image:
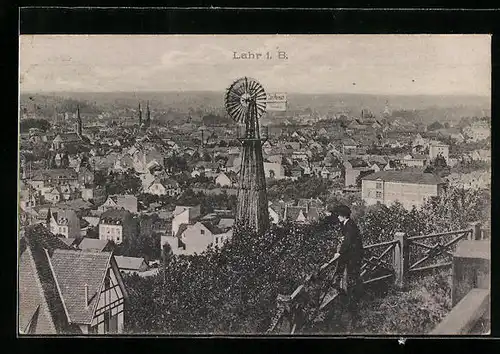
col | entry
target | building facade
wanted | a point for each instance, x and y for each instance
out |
(408, 188)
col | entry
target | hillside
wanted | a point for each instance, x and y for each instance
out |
(425, 108)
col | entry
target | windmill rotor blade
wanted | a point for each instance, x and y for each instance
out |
(239, 111)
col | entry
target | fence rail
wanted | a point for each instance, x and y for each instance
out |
(392, 263)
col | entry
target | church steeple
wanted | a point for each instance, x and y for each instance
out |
(148, 115)
(78, 122)
(47, 220)
(140, 114)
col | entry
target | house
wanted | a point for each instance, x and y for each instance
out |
(28, 196)
(198, 237)
(49, 177)
(300, 214)
(63, 222)
(274, 170)
(66, 140)
(477, 131)
(66, 291)
(123, 163)
(349, 146)
(296, 171)
(408, 188)
(85, 176)
(436, 149)
(276, 212)
(96, 193)
(131, 265)
(414, 160)
(452, 133)
(481, 155)
(353, 169)
(94, 245)
(223, 180)
(116, 201)
(183, 215)
(330, 173)
(116, 225)
(164, 186)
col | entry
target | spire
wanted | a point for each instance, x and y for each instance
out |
(140, 114)
(78, 122)
(148, 114)
(49, 217)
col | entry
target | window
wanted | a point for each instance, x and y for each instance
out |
(378, 195)
(202, 232)
(379, 185)
(107, 316)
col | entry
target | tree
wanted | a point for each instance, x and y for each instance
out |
(123, 183)
(233, 289)
(26, 124)
(438, 167)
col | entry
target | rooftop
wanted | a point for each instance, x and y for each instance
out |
(404, 177)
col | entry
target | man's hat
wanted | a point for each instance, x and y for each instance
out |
(342, 210)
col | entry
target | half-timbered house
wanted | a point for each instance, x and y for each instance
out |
(68, 291)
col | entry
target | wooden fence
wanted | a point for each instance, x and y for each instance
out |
(395, 261)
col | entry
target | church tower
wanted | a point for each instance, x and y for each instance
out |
(79, 128)
(140, 114)
(148, 115)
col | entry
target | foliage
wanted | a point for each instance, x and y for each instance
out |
(438, 167)
(120, 183)
(234, 289)
(175, 164)
(145, 243)
(416, 311)
(304, 187)
(468, 166)
(26, 124)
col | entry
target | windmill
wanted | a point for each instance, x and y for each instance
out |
(245, 102)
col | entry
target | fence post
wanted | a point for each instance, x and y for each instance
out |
(476, 230)
(401, 259)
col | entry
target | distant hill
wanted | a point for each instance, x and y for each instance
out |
(424, 108)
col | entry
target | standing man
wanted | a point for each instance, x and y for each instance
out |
(350, 255)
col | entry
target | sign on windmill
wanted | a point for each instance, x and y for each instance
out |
(276, 102)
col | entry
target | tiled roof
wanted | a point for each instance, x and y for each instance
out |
(74, 269)
(68, 241)
(55, 174)
(39, 244)
(114, 215)
(405, 177)
(129, 263)
(225, 223)
(212, 228)
(181, 229)
(93, 245)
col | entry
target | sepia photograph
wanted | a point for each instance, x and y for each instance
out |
(264, 185)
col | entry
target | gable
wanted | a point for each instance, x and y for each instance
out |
(31, 299)
(112, 295)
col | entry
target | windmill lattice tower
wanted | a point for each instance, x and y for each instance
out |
(245, 102)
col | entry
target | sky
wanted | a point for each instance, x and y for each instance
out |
(366, 64)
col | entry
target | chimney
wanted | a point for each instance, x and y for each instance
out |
(86, 295)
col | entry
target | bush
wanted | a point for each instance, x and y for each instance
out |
(234, 289)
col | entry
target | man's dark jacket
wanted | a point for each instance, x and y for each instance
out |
(351, 248)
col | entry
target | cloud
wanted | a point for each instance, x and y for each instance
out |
(316, 63)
